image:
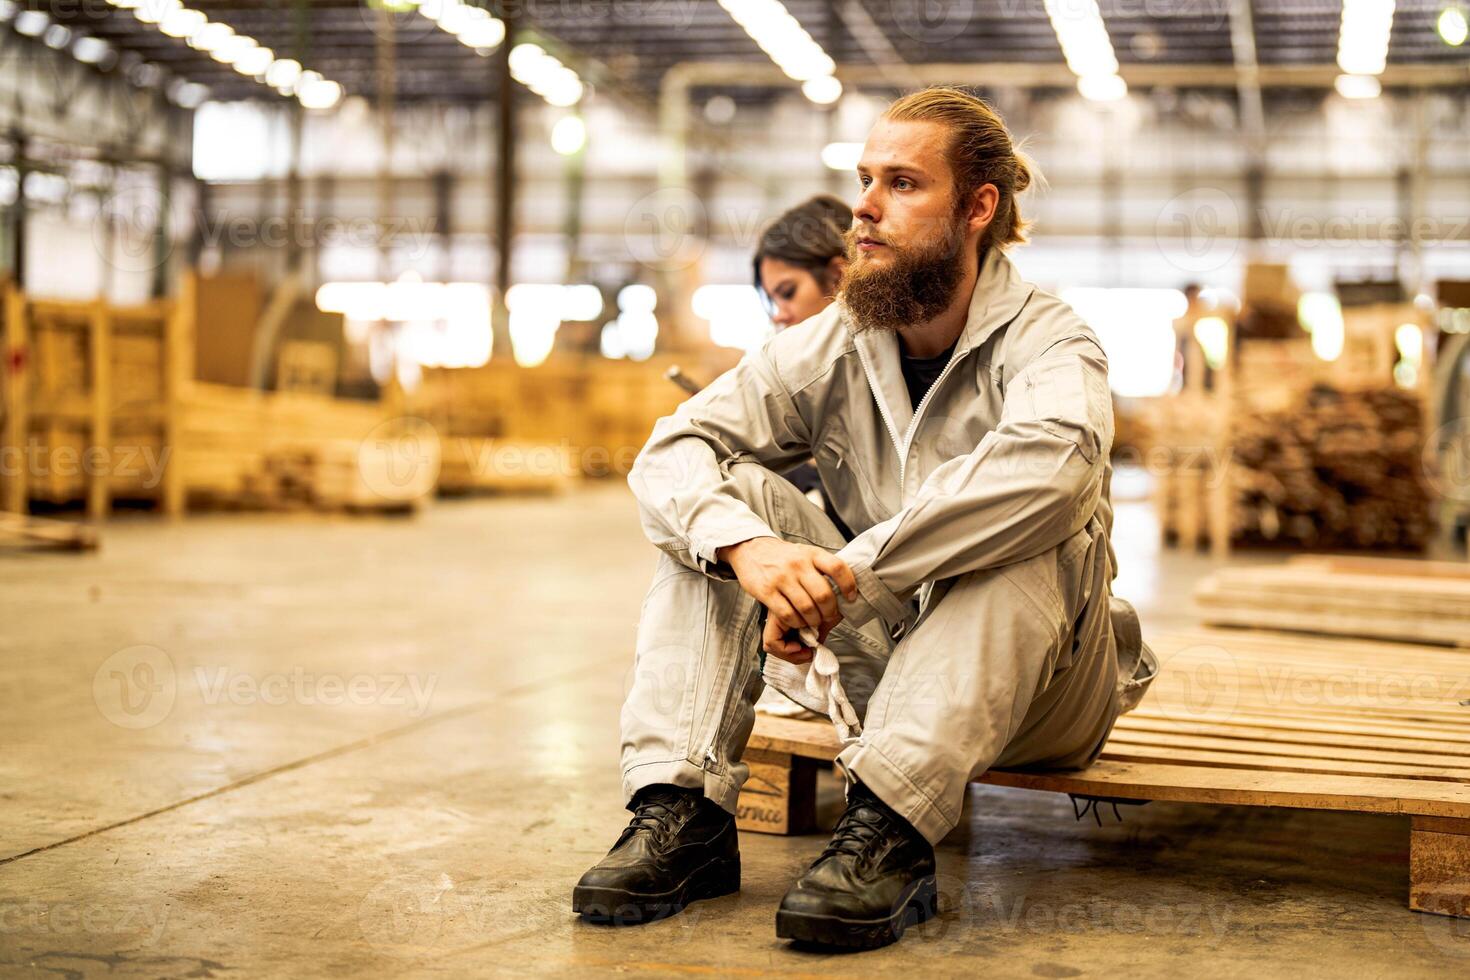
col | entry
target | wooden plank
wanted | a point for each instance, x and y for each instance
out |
(1408, 755)
(178, 360)
(99, 472)
(1284, 735)
(16, 355)
(780, 795)
(54, 534)
(1124, 749)
(1361, 564)
(1439, 870)
(806, 737)
(1245, 787)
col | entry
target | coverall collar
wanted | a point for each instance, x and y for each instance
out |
(999, 295)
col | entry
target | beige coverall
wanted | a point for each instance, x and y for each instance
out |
(981, 553)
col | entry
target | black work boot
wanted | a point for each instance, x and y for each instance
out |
(678, 848)
(875, 877)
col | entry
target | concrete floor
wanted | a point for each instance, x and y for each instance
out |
(248, 746)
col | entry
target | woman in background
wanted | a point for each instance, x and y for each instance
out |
(798, 264)
(800, 259)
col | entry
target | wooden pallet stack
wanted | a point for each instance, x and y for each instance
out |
(1337, 469)
(1425, 602)
(594, 412)
(99, 404)
(91, 400)
(1289, 449)
(287, 450)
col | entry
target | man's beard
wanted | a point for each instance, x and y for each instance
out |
(915, 287)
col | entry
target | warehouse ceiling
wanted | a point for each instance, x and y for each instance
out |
(628, 45)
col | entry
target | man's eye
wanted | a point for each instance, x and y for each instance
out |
(903, 183)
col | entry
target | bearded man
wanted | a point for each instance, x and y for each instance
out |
(961, 421)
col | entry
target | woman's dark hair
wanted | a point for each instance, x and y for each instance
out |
(808, 236)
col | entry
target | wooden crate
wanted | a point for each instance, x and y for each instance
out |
(90, 400)
(1256, 718)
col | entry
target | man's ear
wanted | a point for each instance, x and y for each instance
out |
(835, 268)
(983, 204)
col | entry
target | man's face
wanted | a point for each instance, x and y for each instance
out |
(909, 245)
(907, 199)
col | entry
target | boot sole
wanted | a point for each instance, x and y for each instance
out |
(620, 907)
(919, 905)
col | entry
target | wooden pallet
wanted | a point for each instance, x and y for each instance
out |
(37, 532)
(1391, 599)
(1245, 718)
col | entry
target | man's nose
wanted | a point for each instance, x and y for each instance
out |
(865, 210)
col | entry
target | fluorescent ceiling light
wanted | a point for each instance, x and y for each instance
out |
(1358, 86)
(239, 51)
(1362, 41)
(1089, 51)
(777, 33)
(823, 90)
(31, 23)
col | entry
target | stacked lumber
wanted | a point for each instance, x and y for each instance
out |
(1424, 602)
(284, 450)
(596, 411)
(477, 465)
(1336, 469)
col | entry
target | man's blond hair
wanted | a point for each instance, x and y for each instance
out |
(980, 152)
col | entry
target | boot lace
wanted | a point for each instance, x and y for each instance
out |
(653, 814)
(855, 832)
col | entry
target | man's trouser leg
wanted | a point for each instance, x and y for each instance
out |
(690, 709)
(1006, 667)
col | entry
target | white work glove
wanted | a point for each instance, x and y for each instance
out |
(815, 685)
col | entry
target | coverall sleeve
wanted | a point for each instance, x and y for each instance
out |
(687, 500)
(1031, 483)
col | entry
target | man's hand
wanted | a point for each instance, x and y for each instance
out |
(790, 580)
